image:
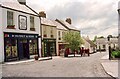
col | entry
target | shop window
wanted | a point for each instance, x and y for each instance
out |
(11, 48)
(33, 47)
(32, 25)
(10, 22)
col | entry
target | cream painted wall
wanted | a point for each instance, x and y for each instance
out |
(47, 29)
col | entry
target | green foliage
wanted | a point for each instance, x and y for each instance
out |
(116, 54)
(100, 37)
(95, 39)
(74, 39)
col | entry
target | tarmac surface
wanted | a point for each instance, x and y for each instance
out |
(59, 67)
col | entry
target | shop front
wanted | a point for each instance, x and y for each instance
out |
(49, 47)
(20, 46)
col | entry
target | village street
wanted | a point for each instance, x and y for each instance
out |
(59, 67)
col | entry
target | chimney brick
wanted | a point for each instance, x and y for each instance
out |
(69, 20)
(42, 14)
(22, 2)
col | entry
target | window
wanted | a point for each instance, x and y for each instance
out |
(59, 37)
(33, 47)
(51, 32)
(10, 23)
(44, 31)
(103, 46)
(22, 22)
(32, 28)
(11, 48)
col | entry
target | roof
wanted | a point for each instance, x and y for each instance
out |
(90, 42)
(14, 4)
(59, 26)
(101, 40)
(46, 21)
(67, 25)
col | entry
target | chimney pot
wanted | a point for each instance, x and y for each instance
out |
(22, 2)
(42, 14)
(69, 20)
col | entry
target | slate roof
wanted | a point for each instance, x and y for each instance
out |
(49, 22)
(46, 21)
(90, 42)
(67, 25)
(59, 26)
(101, 40)
(14, 4)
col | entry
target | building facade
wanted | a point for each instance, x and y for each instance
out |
(88, 44)
(103, 43)
(65, 26)
(20, 31)
(61, 30)
(49, 35)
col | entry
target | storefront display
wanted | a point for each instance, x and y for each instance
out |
(49, 47)
(20, 46)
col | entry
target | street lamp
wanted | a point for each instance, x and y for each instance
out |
(109, 47)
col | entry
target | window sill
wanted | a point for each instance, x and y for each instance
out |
(52, 36)
(11, 27)
(45, 35)
(32, 29)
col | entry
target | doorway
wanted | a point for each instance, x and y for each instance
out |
(23, 46)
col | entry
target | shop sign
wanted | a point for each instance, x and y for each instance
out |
(20, 36)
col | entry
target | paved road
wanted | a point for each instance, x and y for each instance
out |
(59, 67)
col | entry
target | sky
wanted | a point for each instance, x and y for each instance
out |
(91, 17)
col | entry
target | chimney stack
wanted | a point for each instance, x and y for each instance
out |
(22, 2)
(69, 20)
(42, 14)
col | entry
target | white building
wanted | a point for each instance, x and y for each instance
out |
(103, 43)
(19, 31)
(88, 44)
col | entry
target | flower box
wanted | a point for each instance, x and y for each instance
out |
(11, 26)
(32, 29)
(45, 35)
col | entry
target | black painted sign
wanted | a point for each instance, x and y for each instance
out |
(10, 35)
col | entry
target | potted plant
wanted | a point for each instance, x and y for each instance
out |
(11, 26)
(36, 57)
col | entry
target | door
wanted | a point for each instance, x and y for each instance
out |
(23, 48)
(20, 49)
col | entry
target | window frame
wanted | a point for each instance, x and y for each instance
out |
(20, 21)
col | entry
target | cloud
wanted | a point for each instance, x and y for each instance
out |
(92, 17)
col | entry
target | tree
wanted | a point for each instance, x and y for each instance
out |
(73, 39)
(100, 37)
(95, 39)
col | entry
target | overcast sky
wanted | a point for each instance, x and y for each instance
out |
(92, 17)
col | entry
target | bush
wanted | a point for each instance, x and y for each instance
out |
(36, 57)
(116, 54)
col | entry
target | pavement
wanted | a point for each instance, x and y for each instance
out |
(111, 66)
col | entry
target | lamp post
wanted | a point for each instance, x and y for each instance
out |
(109, 47)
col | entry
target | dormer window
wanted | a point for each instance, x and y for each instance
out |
(10, 21)
(32, 24)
